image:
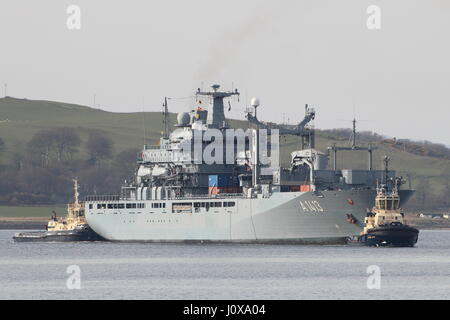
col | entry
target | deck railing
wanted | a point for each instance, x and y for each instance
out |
(102, 198)
(105, 198)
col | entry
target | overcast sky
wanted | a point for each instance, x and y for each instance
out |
(132, 53)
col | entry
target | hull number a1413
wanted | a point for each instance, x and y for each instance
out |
(311, 206)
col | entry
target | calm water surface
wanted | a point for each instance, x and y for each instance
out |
(186, 271)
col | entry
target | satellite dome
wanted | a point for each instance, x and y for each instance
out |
(183, 119)
(254, 102)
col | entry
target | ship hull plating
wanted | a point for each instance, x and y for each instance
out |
(85, 234)
(291, 217)
(398, 236)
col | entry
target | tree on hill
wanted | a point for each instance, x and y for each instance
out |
(444, 197)
(66, 141)
(56, 144)
(422, 194)
(2, 145)
(40, 148)
(125, 163)
(99, 147)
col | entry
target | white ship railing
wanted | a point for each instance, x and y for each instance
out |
(102, 198)
(106, 198)
(218, 196)
(152, 147)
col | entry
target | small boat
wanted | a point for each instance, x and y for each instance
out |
(385, 225)
(71, 228)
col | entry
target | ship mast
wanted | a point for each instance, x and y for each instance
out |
(353, 147)
(166, 114)
(75, 191)
(255, 139)
(386, 160)
(354, 134)
(216, 116)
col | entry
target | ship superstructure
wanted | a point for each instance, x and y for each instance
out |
(206, 182)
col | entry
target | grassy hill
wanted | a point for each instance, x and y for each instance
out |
(20, 119)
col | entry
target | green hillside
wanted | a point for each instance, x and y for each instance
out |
(20, 119)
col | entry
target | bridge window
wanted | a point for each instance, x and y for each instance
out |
(388, 204)
(396, 204)
(229, 204)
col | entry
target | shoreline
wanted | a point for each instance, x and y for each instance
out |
(23, 223)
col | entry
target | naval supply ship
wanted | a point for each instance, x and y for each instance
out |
(179, 196)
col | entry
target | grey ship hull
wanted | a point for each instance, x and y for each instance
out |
(291, 217)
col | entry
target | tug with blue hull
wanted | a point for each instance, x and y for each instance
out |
(71, 228)
(385, 224)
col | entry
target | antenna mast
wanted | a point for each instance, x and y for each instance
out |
(165, 113)
(75, 189)
(386, 160)
(354, 134)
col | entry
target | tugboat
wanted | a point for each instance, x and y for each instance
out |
(385, 225)
(71, 228)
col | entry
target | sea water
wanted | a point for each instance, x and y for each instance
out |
(105, 270)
